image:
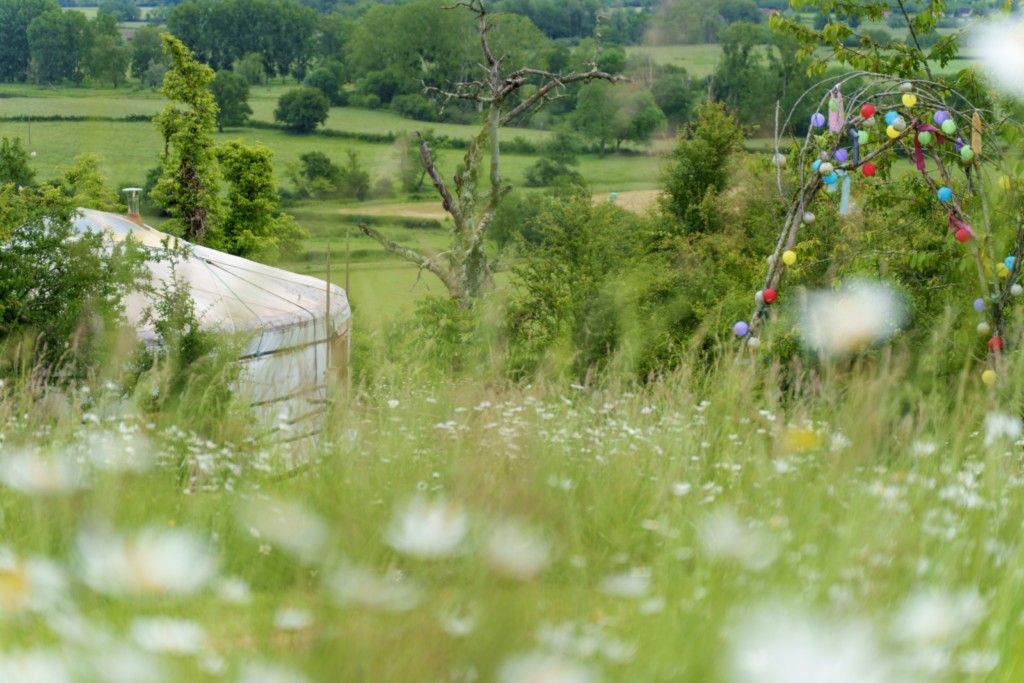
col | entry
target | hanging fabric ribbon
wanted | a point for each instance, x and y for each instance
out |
(976, 135)
(957, 224)
(844, 199)
(918, 150)
(856, 146)
(835, 111)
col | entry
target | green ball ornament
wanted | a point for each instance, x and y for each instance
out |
(862, 137)
(924, 137)
(966, 153)
(949, 127)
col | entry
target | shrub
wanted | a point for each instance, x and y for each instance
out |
(302, 109)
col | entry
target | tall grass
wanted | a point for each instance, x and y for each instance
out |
(871, 519)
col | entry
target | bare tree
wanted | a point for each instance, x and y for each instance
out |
(464, 268)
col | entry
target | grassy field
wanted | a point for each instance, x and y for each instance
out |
(712, 528)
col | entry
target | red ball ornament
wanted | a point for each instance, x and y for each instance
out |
(962, 235)
(995, 344)
(769, 296)
(867, 111)
(868, 169)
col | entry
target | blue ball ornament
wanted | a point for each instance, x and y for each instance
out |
(1009, 261)
(817, 119)
(944, 194)
(816, 165)
(979, 305)
(890, 117)
(831, 179)
(740, 329)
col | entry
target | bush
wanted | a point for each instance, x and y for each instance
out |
(326, 81)
(415, 107)
(302, 110)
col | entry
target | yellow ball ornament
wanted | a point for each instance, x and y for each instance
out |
(892, 132)
(1002, 270)
(789, 257)
(989, 377)
(1005, 183)
(909, 100)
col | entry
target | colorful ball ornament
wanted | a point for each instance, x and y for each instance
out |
(966, 153)
(868, 169)
(817, 119)
(869, 122)
(867, 111)
(940, 117)
(1009, 262)
(816, 165)
(862, 137)
(948, 126)
(962, 235)
(754, 342)
(789, 257)
(892, 132)
(826, 168)
(841, 155)
(1016, 290)
(944, 194)
(779, 160)
(1005, 183)
(1002, 270)
(906, 86)
(900, 124)
(831, 179)
(769, 296)
(808, 217)
(909, 100)
(989, 377)
(979, 305)
(924, 137)
(995, 344)
(759, 297)
(740, 329)
(984, 328)
(891, 116)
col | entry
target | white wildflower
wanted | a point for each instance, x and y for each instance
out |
(32, 585)
(851, 319)
(999, 47)
(936, 617)
(35, 474)
(541, 667)
(153, 562)
(516, 551)
(37, 666)
(1000, 426)
(287, 525)
(270, 673)
(428, 528)
(629, 584)
(292, 619)
(724, 536)
(168, 636)
(358, 586)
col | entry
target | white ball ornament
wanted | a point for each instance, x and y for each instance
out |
(900, 124)
(826, 169)
(906, 86)
(868, 122)
(758, 297)
(808, 217)
(754, 342)
(984, 328)
(779, 160)
(1016, 290)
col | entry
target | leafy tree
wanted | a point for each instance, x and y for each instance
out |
(608, 114)
(58, 284)
(14, 164)
(354, 180)
(155, 73)
(326, 80)
(146, 49)
(699, 168)
(58, 42)
(315, 175)
(188, 187)
(15, 51)
(555, 162)
(122, 10)
(252, 226)
(109, 58)
(231, 92)
(302, 109)
(251, 68)
(673, 95)
(595, 113)
(83, 181)
(740, 77)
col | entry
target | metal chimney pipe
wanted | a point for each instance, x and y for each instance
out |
(133, 204)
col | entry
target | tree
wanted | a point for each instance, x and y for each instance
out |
(674, 97)
(57, 43)
(146, 49)
(326, 81)
(122, 10)
(354, 180)
(740, 77)
(15, 17)
(251, 68)
(464, 267)
(252, 226)
(83, 181)
(231, 92)
(609, 114)
(595, 112)
(302, 109)
(14, 167)
(699, 167)
(188, 188)
(109, 58)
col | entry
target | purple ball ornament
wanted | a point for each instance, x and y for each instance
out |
(979, 305)
(740, 329)
(817, 119)
(841, 155)
(959, 144)
(940, 117)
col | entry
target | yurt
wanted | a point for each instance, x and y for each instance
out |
(298, 327)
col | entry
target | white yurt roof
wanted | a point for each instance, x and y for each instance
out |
(286, 313)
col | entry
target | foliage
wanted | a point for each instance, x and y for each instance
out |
(57, 42)
(251, 68)
(109, 58)
(14, 163)
(84, 183)
(700, 168)
(699, 21)
(327, 81)
(554, 165)
(302, 109)
(122, 10)
(315, 175)
(188, 187)
(252, 226)
(231, 92)
(146, 50)
(615, 114)
(62, 289)
(353, 179)
(15, 51)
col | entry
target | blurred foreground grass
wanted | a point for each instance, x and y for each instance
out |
(848, 522)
